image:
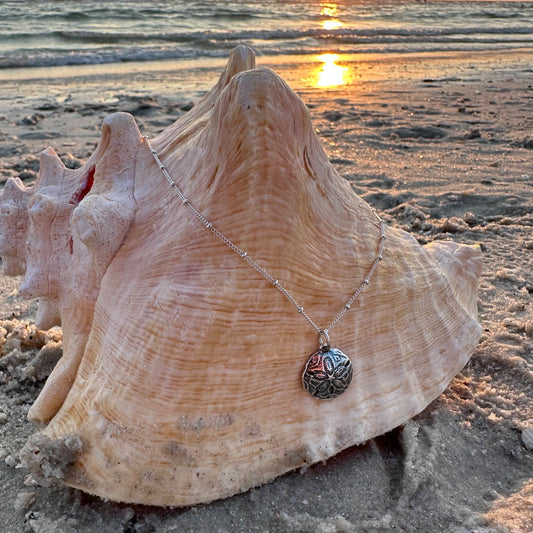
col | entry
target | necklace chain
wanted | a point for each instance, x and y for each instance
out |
(322, 332)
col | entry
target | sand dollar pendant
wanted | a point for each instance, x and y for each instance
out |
(328, 373)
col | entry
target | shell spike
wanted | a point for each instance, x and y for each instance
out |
(241, 58)
(51, 169)
(15, 189)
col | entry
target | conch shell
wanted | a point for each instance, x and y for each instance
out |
(184, 365)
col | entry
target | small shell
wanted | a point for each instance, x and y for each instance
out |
(14, 223)
(190, 381)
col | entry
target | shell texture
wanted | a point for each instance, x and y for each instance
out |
(183, 376)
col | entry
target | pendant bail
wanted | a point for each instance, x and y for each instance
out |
(323, 340)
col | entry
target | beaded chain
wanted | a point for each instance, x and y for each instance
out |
(323, 333)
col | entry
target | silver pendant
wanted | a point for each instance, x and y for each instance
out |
(327, 374)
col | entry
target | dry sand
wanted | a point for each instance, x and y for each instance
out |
(441, 147)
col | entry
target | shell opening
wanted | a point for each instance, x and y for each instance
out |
(87, 186)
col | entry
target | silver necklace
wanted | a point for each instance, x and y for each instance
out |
(328, 371)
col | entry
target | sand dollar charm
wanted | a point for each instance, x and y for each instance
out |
(327, 374)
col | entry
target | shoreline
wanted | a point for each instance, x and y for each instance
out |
(294, 67)
(30, 107)
(442, 149)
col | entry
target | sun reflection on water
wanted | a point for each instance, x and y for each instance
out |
(331, 11)
(331, 74)
(332, 24)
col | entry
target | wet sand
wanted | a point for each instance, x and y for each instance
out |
(441, 147)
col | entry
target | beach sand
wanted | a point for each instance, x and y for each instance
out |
(442, 147)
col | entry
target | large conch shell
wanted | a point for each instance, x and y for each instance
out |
(189, 364)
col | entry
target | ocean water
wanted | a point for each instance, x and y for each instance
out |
(66, 32)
